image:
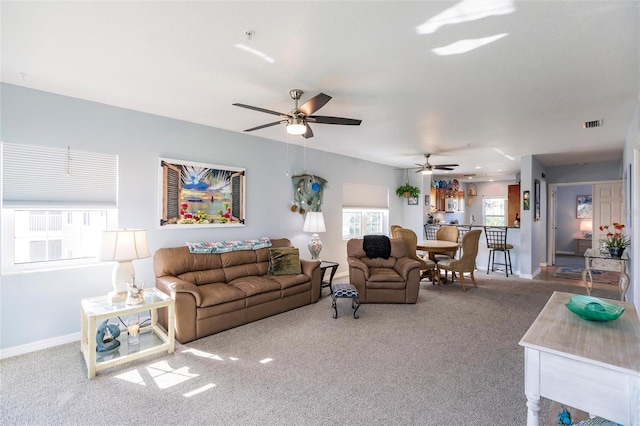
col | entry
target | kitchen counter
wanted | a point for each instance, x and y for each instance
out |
(472, 225)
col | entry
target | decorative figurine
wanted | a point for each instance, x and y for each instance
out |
(135, 295)
(107, 337)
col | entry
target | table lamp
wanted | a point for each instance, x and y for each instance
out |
(586, 226)
(123, 246)
(314, 222)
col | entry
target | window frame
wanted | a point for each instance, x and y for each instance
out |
(485, 216)
(384, 226)
(8, 260)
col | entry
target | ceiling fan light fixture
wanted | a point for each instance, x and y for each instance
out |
(427, 172)
(296, 126)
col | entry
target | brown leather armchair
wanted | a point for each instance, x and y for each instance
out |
(378, 280)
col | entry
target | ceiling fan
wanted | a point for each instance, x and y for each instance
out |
(427, 169)
(299, 118)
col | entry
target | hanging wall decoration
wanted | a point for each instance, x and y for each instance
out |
(197, 194)
(307, 193)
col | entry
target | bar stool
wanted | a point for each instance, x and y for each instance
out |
(497, 241)
(430, 231)
(462, 230)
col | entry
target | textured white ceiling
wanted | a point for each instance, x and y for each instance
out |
(552, 66)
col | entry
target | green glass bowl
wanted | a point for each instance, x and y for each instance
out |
(594, 309)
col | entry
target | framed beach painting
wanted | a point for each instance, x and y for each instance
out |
(584, 207)
(196, 194)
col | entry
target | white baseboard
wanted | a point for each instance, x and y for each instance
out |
(39, 345)
(54, 341)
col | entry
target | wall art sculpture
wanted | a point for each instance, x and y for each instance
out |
(307, 193)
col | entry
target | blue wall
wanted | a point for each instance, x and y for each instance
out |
(43, 305)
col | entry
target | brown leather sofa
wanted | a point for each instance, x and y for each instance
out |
(218, 291)
(378, 280)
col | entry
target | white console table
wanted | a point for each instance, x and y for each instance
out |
(591, 366)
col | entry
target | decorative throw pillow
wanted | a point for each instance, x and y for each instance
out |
(284, 261)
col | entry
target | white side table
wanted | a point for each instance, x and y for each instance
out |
(595, 259)
(592, 366)
(153, 339)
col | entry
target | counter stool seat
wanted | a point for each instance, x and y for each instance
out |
(497, 241)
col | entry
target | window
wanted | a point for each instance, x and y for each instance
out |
(359, 222)
(365, 210)
(494, 211)
(53, 214)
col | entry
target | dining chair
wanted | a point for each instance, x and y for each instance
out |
(446, 233)
(427, 266)
(467, 262)
(497, 241)
(393, 230)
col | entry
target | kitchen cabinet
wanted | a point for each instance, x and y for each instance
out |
(513, 203)
(446, 200)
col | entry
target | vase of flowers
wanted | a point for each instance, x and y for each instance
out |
(615, 241)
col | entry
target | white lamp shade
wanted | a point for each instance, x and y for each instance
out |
(314, 222)
(124, 245)
(586, 225)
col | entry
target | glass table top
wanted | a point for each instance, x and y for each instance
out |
(598, 254)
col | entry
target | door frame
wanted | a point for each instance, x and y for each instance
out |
(551, 237)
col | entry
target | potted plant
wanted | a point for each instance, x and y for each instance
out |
(615, 241)
(407, 191)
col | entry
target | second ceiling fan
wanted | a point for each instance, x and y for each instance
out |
(428, 169)
(298, 119)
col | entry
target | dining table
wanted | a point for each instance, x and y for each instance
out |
(436, 246)
(433, 247)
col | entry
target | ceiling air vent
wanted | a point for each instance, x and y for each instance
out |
(590, 124)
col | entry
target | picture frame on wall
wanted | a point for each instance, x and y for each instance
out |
(412, 201)
(526, 202)
(584, 207)
(193, 194)
(536, 200)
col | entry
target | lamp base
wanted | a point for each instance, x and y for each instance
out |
(115, 297)
(123, 273)
(315, 247)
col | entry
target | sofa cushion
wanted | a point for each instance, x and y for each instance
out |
(384, 275)
(218, 293)
(255, 285)
(204, 277)
(284, 261)
(286, 281)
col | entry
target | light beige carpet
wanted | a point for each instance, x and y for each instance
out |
(452, 359)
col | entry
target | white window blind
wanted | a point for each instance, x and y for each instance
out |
(37, 175)
(367, 196)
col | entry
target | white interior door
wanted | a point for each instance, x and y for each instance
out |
(607, 208)
(553, 228)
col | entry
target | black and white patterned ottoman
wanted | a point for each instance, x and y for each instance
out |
(348, 291)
